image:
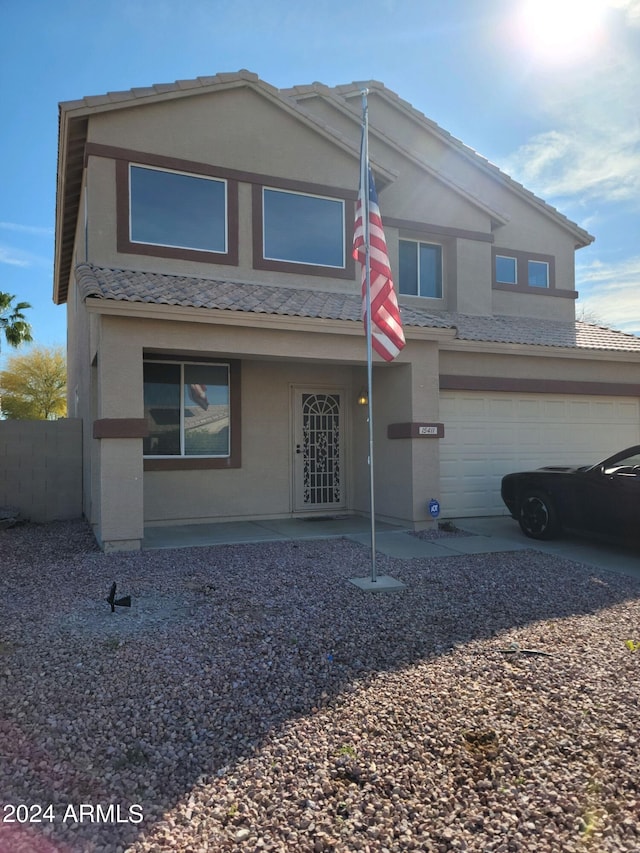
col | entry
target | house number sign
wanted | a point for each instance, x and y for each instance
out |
(416, 430)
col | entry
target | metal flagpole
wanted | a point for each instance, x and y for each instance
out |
(384, 583)
(364, 179)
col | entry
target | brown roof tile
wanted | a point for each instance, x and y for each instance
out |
(157, 288)
(547, 333)
(192, 292)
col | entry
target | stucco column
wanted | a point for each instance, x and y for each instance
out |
(407, 471)
(120, 510)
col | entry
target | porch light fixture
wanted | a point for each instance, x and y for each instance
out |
(363, 399)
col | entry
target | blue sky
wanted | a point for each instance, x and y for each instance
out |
(552, 97)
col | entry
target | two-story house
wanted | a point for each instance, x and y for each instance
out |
(215, 345)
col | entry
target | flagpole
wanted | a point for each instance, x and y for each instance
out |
(364, 178)
(389, 338)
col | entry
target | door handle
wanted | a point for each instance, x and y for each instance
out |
(298, 448)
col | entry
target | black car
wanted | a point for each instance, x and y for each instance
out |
(602, 499)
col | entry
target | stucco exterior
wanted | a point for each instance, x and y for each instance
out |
(129, 303)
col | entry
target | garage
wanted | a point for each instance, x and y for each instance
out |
(488, 435)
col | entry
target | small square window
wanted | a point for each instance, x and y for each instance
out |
(506, 270)
(176, 209)
(538, 272)
(303, 229)
(420, 269)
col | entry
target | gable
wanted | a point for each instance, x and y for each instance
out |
(207, 121)
(220, 128)
(456, 162)
(237, 123)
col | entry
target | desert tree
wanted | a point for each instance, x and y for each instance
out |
(33, 385)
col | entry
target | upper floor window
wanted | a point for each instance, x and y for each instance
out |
(538, 274)
(518, 270)
(177, 209)
(303, 229)
(170, 208)
(420, 269)
(506, 270)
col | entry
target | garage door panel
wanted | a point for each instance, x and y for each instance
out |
(490, 435)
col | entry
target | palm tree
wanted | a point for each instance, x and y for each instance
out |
(12, 321)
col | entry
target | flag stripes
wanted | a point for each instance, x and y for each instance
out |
(387, 337)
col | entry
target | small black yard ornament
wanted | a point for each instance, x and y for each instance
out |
(125, 601)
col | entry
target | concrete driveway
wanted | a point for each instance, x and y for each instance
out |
(486, 535)
(504, 529)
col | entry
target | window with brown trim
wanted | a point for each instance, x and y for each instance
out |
(179, 214)
(192, 413)
(522, 271)
(420, 269)
(301, 231)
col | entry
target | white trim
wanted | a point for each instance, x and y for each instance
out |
(211, 178)
(181, 364)
(340, 201)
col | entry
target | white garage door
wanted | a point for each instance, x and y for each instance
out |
(488, 435)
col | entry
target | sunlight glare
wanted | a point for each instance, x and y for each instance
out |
(561, 31)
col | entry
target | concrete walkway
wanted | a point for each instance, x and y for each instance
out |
(486, 535)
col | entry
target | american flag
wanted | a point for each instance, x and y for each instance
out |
(387, 337)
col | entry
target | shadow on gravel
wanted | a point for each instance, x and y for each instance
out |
(130, 711)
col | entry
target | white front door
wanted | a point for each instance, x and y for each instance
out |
(318, 468)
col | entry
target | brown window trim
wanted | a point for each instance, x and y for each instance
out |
(261, 263)
(124, 156)
(124, 244)
(193, 463)
(450, 382)
(521, 259)
(426, 230)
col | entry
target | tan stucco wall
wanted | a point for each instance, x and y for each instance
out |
(262, 487)
(543, 364)
(274, 363)
(406, 470)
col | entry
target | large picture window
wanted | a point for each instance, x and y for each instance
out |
(303, 229)
(178, 210)
(187, 407)
(420, 269)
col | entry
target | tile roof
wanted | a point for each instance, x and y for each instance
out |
(532, 332)
(192, 292)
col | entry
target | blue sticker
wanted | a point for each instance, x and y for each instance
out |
(434, 508)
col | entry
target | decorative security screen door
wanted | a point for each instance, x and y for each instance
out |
(318, 474)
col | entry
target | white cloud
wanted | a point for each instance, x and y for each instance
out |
(592, 163)
(591, 148)
(20, 258)
(13, 257)
(36, 230)
(611, 292)
(631, 9)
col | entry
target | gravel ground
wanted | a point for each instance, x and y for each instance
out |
(251, 699)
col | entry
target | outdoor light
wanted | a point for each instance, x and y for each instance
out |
(362, 397)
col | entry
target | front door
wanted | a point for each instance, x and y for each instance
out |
(318, 468)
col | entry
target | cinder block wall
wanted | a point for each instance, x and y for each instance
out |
(41, 468)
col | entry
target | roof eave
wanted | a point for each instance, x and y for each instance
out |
(350, 91)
